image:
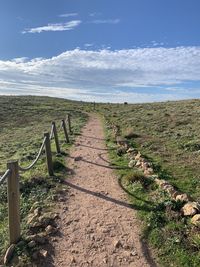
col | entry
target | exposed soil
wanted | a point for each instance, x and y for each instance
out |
(98, 226)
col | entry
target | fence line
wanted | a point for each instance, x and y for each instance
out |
(12, 176)
(65, 130)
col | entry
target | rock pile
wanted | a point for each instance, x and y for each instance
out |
(189, 208)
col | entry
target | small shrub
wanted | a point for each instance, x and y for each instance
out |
(129, 133)
(121, 151)
(191, 146)
(135, 177)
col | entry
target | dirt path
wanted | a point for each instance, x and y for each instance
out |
(98, 226)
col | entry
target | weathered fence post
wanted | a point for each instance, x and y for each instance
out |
(65, 131)
(69, 123)
(48, 154)
(56, 137)
(13, 202)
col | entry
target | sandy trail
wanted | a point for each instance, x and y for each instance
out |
(98, 226)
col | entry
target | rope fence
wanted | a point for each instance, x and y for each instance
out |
(36, 159)
(12, 175)
(4, 176)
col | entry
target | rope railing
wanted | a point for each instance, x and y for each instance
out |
(36, 159)
(12, 176)
(4, 176)
(51, 133)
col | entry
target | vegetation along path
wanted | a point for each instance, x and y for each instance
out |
(98, 226)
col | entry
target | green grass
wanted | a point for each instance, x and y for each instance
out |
(23, 121)
(173, 239)
(168, 134)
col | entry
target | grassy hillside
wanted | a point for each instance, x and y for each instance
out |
(23, 120)
(168, 135)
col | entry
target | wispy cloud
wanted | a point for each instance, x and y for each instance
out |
(67, 26)
(88, 45)
(106, 21)
(94, 14)
(134, 75)
(68, 15)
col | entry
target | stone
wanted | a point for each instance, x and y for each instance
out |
(36, 224)
(131, 163)
(32, 244)
(50, 229)
(161, 182)
(169, 189)
(182, 197)
(43, 253)
(73, 260)
(148, 172)
(35, 205)
(130, 150)
(117, 244)
(154, 177)
(9, 254)
(78, 158)
(138, 163)
(37, 211)
(133, 253)
(190, 208)
(30, 237)
(196, 220)
(31, 218)
(175, 194)
(145, 165)
(45, 219)
(138, 156)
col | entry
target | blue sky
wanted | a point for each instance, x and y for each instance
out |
(100, 50)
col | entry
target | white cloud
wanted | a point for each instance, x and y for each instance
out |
(106, 21)
(70, 25)
(106, 75)
(88, 45)
(20, 59)
(68, 15)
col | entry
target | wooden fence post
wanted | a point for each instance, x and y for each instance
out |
(56, 137)
(65, 131)
(13, 201)
(48, 154)
(69, 123)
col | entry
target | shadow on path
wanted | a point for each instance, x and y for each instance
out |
(145, 249)
(101, 165)
(92, 137)
(97, 148)
(147, 253)
(107, 161)
(107, 198)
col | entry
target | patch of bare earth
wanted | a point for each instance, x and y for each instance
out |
(98, 226)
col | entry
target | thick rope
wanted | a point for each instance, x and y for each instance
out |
(37, 158)
(3, 178)
(51, 134)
